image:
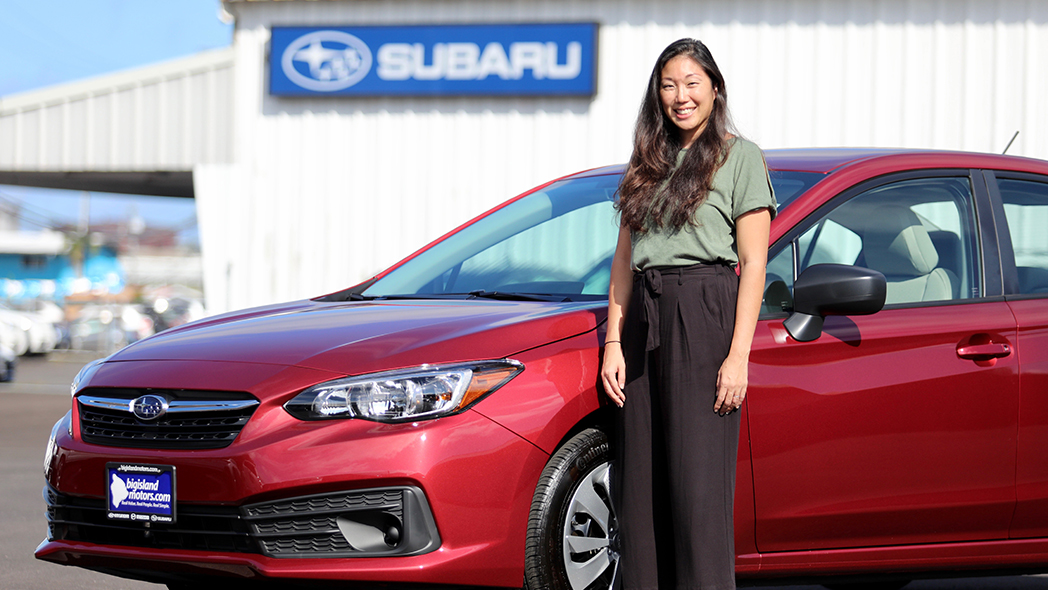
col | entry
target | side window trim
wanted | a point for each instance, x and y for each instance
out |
(981, 202)
(835, 201)
(795, 257)
(869, 184)
(1007, 252)
(994, 238)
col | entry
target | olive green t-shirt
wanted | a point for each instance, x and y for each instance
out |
(740, 185)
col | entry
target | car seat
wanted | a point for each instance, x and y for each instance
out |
(948, 247)
(898, 245)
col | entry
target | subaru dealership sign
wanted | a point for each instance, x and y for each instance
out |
(535, 60)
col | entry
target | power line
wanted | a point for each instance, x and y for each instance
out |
(16, 209)
(26, 206)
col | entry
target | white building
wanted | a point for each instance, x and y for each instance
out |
(302, 195)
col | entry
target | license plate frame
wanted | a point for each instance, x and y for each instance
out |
(140, 493)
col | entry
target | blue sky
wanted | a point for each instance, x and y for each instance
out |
(46, 42)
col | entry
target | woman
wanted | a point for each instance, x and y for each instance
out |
(695, 202)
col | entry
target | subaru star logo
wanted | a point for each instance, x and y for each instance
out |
(149, 407)
(326, 61)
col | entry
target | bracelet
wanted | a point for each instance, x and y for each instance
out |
(607, 342)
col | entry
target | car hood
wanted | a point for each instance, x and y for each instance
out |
(365, 336)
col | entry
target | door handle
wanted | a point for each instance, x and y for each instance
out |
(983, 352)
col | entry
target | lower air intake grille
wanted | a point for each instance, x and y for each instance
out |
(386, 521)
(202, 528)
(363, 523)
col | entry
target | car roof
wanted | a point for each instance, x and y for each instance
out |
(827, 160)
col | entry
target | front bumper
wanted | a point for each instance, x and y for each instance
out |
(473, 477)
(453, 567)
(377, 522)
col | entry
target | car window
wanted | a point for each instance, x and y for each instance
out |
(919, 233)
(1026, 209)
(559, 240)
(570, 253)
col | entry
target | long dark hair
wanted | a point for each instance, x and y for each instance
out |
(656, 143)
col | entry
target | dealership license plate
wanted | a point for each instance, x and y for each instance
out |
(140, 493)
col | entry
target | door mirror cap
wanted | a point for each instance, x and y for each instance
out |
(832, 289)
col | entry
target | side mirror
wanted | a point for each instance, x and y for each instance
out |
(832, 289)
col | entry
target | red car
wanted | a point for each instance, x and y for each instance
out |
(442, 422)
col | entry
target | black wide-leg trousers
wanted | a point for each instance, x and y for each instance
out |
(675, 468)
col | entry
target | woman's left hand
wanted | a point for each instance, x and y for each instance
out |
(731, 385)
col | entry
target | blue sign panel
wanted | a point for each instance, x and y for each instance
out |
(140, 493)
(530, 60)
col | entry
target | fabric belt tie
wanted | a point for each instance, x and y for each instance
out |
(652, 278)
(652, 288)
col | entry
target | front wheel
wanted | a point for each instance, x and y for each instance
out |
(571, 542)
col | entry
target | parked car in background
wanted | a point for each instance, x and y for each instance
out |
(43, 335)
(442, 422)
(40, 334)
(8, 363)
(13, 333)
(108, 327)
(172, 306)
(97, 330)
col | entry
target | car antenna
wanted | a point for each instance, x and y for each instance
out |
(1010, 143)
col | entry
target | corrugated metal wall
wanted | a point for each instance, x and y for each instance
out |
(167, 116)
(327, 191)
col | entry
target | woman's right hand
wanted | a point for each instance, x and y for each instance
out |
(613, 373)
(620, 285)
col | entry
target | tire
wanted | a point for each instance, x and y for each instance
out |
(571, 543)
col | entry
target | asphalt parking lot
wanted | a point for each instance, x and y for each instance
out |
(40, 395)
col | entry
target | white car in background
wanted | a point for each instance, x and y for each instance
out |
(39, 336)
(14, 333)
(43, 336)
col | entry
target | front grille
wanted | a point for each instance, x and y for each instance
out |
(193, 419)
(363, 523)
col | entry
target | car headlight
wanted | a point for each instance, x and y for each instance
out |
(420, 393)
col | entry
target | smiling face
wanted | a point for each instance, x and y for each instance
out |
(687, 96)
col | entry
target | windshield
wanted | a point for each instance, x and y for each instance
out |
(554, 244)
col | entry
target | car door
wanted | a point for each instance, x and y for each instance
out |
(899, 427)
(1023, 200)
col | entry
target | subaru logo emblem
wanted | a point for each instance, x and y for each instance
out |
(326, 61)
(149, 407)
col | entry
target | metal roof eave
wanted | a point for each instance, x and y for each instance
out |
(105, 83)
(163, 183)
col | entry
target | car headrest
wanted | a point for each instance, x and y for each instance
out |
(896, 244)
